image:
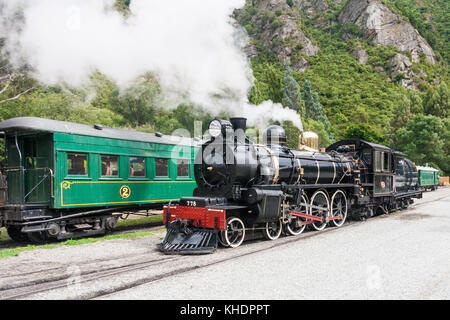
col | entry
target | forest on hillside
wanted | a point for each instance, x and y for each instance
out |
(336, 95)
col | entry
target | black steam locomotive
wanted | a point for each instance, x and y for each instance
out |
(244, 186)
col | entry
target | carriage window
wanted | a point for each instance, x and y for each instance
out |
(30, 153)
(110, 167)
(161, 167)
(378, 160)
(77, 164)
(182, 168)
(137, 166)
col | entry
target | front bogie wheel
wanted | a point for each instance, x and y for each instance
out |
(272, 230)
(234, 234)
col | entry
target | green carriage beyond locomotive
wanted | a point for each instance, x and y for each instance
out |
(428, 177)
(66, 180)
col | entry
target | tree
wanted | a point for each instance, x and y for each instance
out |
(123, 6)
(291, 90)
(14, 93)
(139, 102)
(292, 134)
(402, 115)
(363, 131)
(437, 101)
(319, 128)
(313, 108)
(426, 138)
(268, 84)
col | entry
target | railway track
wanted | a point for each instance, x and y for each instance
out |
(30, 285)
(65, 279)
(27, 285)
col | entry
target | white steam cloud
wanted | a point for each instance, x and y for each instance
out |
(193, 46)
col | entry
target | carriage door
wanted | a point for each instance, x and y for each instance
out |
(36, 184)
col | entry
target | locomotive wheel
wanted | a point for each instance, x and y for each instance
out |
(15, 234)
(272, 231)
(234, 234)
(339, 207)
(319, 199)
(295, 227)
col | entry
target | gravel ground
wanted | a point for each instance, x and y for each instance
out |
(401, 256)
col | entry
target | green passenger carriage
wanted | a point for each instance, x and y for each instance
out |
(428, 177)
(62, 179)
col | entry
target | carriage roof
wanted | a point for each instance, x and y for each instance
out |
(48, 125)
(426, 168)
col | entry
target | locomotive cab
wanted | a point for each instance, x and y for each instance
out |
(375, 168)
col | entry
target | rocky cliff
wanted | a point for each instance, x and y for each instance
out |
(384, 27)
(277, 26)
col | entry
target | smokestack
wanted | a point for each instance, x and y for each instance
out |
(239, 126)
(239, 123)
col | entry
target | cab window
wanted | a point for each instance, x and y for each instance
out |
(386, 161)
(367, 156)
(77, 164)
(382, 161)
(378, 160)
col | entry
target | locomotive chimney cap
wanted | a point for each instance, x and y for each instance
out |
(239, 123)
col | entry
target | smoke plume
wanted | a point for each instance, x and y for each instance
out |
(192, 46)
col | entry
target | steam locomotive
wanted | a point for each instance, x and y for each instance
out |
(242, 186)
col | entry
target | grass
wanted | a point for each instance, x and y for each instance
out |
(5, 253)
(143, 220)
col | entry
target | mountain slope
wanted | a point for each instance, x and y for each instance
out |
(374, 72)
